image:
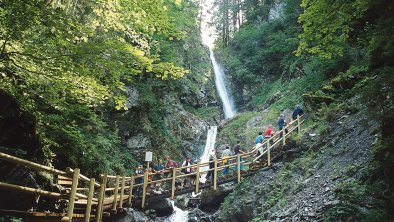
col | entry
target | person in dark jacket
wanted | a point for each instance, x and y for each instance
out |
(281, 123)
(297, 111)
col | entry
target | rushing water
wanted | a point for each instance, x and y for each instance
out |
(228, 104)
(209, 146)
(178, 215)
(208, 36)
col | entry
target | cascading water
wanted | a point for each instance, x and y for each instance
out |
(208, 37)
(209, 146)
(179, 215)
(228, 105)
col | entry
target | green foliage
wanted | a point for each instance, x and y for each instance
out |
(327, 26)
(67, 62)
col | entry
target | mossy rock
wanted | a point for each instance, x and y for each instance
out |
(315, 101)
(328, 89)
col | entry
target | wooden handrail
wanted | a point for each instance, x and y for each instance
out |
(32, 191)
(81, 177)
(30, 164)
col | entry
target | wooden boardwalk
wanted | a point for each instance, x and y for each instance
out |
(88, 200)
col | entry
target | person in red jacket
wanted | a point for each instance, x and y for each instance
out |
(268, 134)
(170, 164)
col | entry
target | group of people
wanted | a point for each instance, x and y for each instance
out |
(281, 124)
(161, 170)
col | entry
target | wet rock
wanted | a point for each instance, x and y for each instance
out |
(17, 200)
(162, 207)
(211, 200)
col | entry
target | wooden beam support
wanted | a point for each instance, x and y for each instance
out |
(89, 202)
(239, 168)
(144, 187)
(73, 192)
(284, 136)
(173, 183)
(298, 123)
(268, 151)
(215, 173)
(131, 191)
(101, 198)
(197, 181)
(115, 201)
(122, 192)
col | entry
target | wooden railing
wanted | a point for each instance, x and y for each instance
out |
(115, 191)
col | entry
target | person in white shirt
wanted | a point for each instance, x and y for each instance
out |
(187, 170)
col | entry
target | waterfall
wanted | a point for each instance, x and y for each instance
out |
(208, 36)
(228, 104)
(209, 146)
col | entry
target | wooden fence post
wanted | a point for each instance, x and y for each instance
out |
(215, 174)
(115, 201)
(239, 167)
(89, 202)
(131, 190)
(122, 192)
(269, 152)
(284, 135)
(298, 123)
(73, 193)
(101, 198)
(144, 186)
(197, 181)
(173, 183)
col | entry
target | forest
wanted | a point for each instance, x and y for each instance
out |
(82, 82)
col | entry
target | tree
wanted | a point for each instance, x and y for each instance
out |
(327, 24)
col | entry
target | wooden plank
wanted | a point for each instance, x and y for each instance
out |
(60, 177)
(65, 182)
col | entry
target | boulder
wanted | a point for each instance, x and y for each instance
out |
(211, 200)
(162, 207)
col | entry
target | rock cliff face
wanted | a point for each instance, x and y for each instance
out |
(162, 116)
(313, 178)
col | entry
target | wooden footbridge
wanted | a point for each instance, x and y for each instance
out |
(88, 200)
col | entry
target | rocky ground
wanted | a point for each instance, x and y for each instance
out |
(307, 183)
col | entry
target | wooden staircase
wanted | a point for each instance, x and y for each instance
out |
(88, 200)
